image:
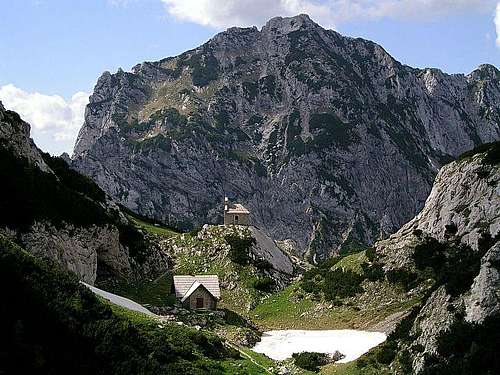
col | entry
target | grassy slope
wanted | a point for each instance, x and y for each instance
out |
(194, 256)
(293, 309)
(154, 292)
(55, 325)
(158, 230)
(211, 256)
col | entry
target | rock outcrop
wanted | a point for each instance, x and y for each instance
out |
(454, 241)
(328, 140)
(15, 137)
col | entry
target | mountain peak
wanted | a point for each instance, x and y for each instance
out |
(289, 24)
(485, 71)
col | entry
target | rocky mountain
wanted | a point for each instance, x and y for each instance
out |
(54, 212)
(328, 140)
(452, 248)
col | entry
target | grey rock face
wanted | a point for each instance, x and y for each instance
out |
(463, 207)
(484, 298)
(464, 204)
(329, 141)
(266, 248)
(15, 136)
(212, 248)
(80, 250)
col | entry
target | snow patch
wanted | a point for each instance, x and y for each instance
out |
(119, 300)
(280, 345)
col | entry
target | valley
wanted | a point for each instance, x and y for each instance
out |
(360, 236)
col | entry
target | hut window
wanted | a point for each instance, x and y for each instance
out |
(199, 303)
(236, 218)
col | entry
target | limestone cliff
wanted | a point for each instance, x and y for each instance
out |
(453, 243)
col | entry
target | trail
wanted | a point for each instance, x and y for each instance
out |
(120, 301)
(249, 357)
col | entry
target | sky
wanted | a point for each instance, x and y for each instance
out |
(53, 51)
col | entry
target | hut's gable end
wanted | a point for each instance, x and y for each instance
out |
(199, 298)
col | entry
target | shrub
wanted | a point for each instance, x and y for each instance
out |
(205, 67)
(240, 249)
(73, 179)
(450, 229)
(341, 284)
(373, 272)
(452, 264)
(27, 194)
(371, 254)
(408, 280)
(334, 284)
(265, 284)
(262, 264)
(386, 354)
(469, 348)
(310, 360)
(492, 151)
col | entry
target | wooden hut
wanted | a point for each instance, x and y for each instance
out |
(197, 292)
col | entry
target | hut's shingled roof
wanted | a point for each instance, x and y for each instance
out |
(183, 284)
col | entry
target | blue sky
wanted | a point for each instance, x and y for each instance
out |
(53, 51)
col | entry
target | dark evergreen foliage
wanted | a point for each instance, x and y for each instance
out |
(310, 360)
(240, 249)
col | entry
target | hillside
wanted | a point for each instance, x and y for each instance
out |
(450, 251)
(328, 140)
(56, 213)
(50, 323)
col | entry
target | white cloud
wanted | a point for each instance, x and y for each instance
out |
(497, 23)
(224, 13)
(54, 121)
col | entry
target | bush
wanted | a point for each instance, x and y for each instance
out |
(373, 272)
(341, 284)
(310, 360)
(371, 254)
(386, 354)
(453, 265)
(262, 264)
(334, 284)
(28, 194)
(73, 179)
(264, 284)
(240, 249)
(205, 67)
(408, 280)
(492, 151)
(469, 348)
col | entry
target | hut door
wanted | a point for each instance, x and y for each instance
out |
(199, 303)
